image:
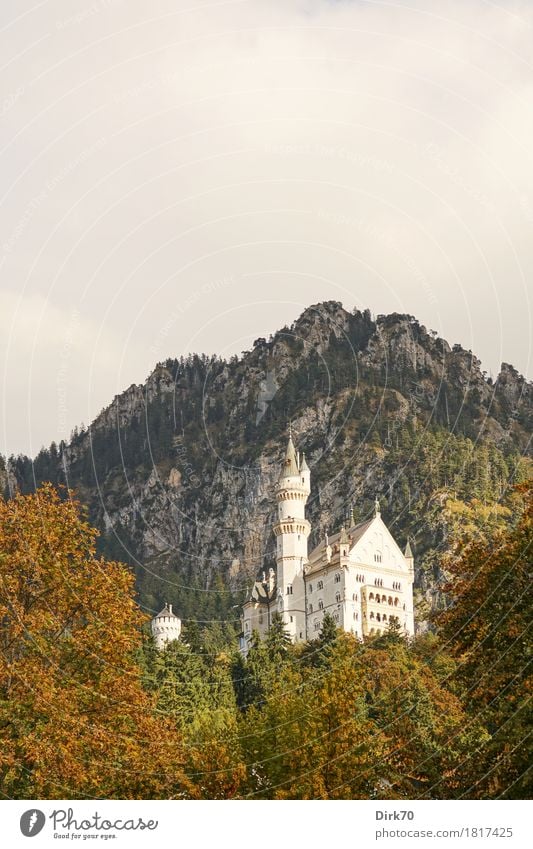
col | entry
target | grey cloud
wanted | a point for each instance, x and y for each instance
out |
(377, 154)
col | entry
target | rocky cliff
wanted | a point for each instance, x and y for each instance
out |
(179, 473)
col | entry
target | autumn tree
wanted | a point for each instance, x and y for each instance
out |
(75, 720)
(311, 737)
(487, 625)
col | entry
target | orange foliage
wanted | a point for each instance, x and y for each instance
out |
(74, 719)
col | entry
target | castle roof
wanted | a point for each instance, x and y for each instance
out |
(408, 551)
(352, 535)
(261, 592)
(290, 464)
(167, 611)
(303, 465)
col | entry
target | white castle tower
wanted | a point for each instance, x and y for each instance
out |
(166, 626)
(292, 531)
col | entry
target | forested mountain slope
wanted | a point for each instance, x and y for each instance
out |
(179, 473)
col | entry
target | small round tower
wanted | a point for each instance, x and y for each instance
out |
(166, 626)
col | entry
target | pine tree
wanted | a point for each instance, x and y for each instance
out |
(278, 639)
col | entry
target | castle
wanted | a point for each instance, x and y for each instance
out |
(359, 575)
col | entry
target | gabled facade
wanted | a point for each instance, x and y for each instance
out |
(358, 575)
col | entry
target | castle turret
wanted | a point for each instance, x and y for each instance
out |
(305, 473)
(409, 557)
(409, 610)
(292, 531)
(166, 626)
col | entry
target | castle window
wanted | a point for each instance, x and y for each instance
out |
(292, 620)
(337, 578)
(371, 597)
(320, 585)
(317, 625)
(372, 615)
(310, 608)
(310, 588)
(336, 617)
(395, 602)
(390, 600)
(378, 617)
(289, 589)
(377, 557)
(321, 605)
(337, 596)
(354, 597)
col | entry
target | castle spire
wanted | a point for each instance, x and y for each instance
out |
(290, 464)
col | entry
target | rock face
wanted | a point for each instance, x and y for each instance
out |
(179, 473)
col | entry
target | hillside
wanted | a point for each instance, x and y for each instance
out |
(178, 473)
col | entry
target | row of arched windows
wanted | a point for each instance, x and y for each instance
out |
(383, 599)
(380, 617)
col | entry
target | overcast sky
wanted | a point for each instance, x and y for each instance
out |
(184, 175)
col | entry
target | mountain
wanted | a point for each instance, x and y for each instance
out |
(179, 473)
